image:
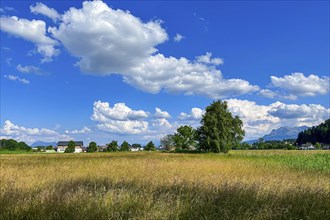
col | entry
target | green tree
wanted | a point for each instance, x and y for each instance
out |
(112, 147)
(320, 133)
(219, 130)
(125, 146)
(184, 137)
(23, 146)
(71, 147)
(11, 144)
(167, 142)
(318, 145)
(92, 147)
(150, 146)
(49, 147)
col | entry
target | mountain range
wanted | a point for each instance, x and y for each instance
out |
(43, 144)
(281, 133)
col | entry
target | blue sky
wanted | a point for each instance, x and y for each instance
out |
(137, 70)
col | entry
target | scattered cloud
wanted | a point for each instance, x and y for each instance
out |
(195, 114)
(161, 123)
(261, 119)
(40, 8)
(161, 114)
(30, 135)
(17, 79)
(84, 130)
(178, 38)
(6, 9)
(268, 93)
(119, 118)
(33, 31)
(208, 60)
(297, 84)
(28, 69)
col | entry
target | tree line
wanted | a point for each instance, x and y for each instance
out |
(220, 131)
(316, 134)
(11, 144)
(114, 147)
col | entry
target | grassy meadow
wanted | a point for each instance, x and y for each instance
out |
(266, 184)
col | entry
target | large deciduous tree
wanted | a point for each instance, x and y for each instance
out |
(125, 146)
(150, 146)
(219, 130)
(92, 147)
(167, 142)
(184, 137)
(112, 147)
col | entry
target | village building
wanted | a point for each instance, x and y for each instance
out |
(307, 146)
(326, 147)
(62, 145)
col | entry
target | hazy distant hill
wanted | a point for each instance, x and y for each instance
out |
(282, 133)
(42, 143)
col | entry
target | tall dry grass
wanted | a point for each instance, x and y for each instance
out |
(143, 185)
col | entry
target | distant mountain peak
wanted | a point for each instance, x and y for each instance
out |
(43, 144)
(283, 133)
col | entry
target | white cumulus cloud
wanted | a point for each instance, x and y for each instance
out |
(117, 38)
(195, 114)
(297, 84)
(119, 118)
(207, 59)
(30, 135)
(259, 120)
(183, 76)
(40, 8)
(33, 31)
(161, 114)
(116, 42)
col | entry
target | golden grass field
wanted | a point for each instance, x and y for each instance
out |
(275, 184)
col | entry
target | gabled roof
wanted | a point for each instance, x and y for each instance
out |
(65, 143)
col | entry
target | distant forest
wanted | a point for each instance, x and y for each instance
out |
(320, 134)
(13, 145)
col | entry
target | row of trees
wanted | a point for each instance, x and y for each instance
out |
(320, 134)
(219, 131)
(125, 146)
(267, 145)
(10, 144)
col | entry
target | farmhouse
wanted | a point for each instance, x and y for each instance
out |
(326, 147)
(306, 147)
(136, 149)
(62, 145)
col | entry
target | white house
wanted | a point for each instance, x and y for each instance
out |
(307, 147)
(62, 145)
(326, 147)
(136, 149)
